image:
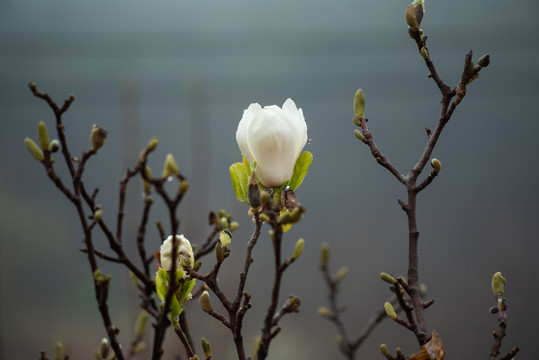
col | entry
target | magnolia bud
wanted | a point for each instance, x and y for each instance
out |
(205, 303)
(383, 350)
(264, 217)
(97, 137)
(484, 60)
(206, 348)
(390, 311)
(436, 165)
(170, 167)
(388, 278)
(152, 144)
(359, 104)
(43, 135)
(233, 225)
(225, 237)
(34, 150)
(324, 254)
(98, 213)
(359, 135)
(104, 348)
(219, 252)
(298, 249)
(324, 312)
(341, 273)
(140, 323)
(146, 184)
(498, 284)
(54, 146)
(184, 185)
(59, 351)
(424, 53)
(414, 14)
(194, 357)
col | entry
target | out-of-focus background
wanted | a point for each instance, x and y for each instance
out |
(184, 71)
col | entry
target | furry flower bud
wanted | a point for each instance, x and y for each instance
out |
(34, 150)
(414, 14)
(184, 253)
(97, 137)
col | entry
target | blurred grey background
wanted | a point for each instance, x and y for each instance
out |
(184, 71)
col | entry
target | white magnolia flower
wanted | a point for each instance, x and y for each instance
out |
(184, 253)
(274, 138)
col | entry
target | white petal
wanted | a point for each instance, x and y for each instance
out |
(242, 133)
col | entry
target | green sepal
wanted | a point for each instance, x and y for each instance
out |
(300, 169)
(287, 226)
(240, 174)
(161, 284)
(187, 287)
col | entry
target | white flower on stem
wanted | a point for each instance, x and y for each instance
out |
(184, 253)
(274, 138)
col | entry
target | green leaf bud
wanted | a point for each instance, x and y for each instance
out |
(170, 167)
(98, 213)
(146, 184)
(359, 104)
(383, 350)
(225, 237)
(422, 290)
(324, 254)
(197, 265)
(97, 137)
(298, 249)
(140, 323)
(414, 14)
(324, 312)
(204, 301)
(388, 278)
(233, 225)
(206, 348)
(359, 135)
(43, 135)
(54, 146)
(104, 348)
(184, 185)
(34, 150)
(498, 284)
(194, 357)
(134, 278)
(424, 53)
(152, 145)
(139, 348)
(256, 345)
(264, 217)
(436, 165)
(219, 252)
(341, 273)
(59, 348)
(390, 310)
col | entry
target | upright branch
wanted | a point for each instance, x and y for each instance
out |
(450, 99)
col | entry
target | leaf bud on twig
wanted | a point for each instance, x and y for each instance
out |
(152, 144)
(43, 135)
(170, 167)
(484, 60)
(194, 357)
(97, 137)
(424, 53)
(324, 254)
(219, 252)
(324, 312)
(498, 284)
(54, 146)
(98, 213)
(104, 348)
(184, 185)
(341, 273)
(359, 104)
(359, 135)
(390, 310)
(140, 323)
(414, 14)
(225, 237)
(436, 165)
(388, 278)
(298, 249)
(206, 348)
(59, 348)
(205, 303)
(383, 350)
(34, 150)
